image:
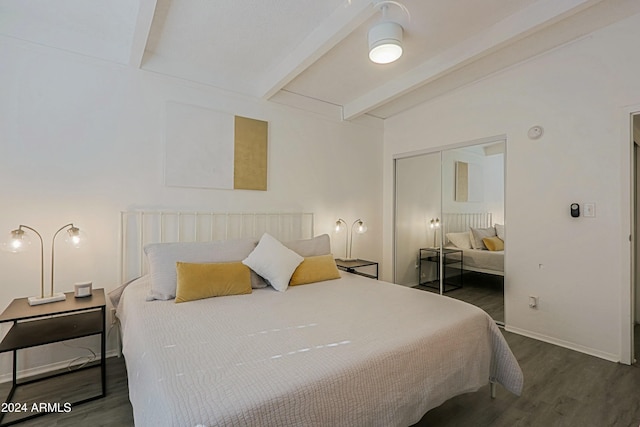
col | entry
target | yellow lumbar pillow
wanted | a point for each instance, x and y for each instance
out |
(493, 243)
(315, 269)
(198, 281)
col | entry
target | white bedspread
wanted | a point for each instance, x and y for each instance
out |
(347, 352)
(483, 259)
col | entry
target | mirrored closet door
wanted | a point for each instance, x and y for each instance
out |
(417, 218)
(449, 223)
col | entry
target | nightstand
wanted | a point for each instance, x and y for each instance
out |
(354, 266)
(451, 265)
(46, 324)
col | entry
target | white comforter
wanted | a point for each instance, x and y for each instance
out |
(346, 352)
(483, 259)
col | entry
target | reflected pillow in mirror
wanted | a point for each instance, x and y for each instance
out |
(493, 243)
(478, 234)
(460, 240)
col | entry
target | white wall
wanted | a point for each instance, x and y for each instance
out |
(577, 267)
(82, 139)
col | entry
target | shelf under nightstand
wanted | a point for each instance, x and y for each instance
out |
(46, 324)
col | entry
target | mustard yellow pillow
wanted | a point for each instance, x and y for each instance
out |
(315, 269)
(198, 281)
(493, 243)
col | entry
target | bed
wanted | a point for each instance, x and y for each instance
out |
(350, 351)
(458, 231)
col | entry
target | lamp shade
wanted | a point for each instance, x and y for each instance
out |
(385, 42)
(18, 241)
(361, 227)
(75, 237)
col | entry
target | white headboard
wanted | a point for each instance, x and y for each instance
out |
(139, 228)
(458, 222)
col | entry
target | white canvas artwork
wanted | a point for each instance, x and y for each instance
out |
(199, 147)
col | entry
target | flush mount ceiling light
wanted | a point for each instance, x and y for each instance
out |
(385, 37)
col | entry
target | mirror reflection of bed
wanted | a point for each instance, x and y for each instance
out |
(442, 197)
(479, 278)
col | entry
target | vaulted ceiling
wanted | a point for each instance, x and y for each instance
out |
(312, 49)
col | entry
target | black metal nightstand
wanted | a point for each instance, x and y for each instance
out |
(46, 324)
(451, 261)
(353, 266)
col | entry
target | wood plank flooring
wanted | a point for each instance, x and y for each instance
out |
(482, 290)
(562, 388)
(112, 410)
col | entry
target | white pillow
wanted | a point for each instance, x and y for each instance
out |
(162, 258)
(319, 245)
(477, 234)
(500, 230)
(273, 261)
(460, 240)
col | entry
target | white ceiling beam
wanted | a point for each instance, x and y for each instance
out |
(508, 30)
(343, 21)
(146, 11)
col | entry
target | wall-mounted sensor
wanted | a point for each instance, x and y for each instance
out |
(575, 210)
(535, 132)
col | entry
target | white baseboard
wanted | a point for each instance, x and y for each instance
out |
(566, 344)
(49, 368)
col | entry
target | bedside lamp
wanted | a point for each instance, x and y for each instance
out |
(341, 225)
(360, 228)
(19, 242)
(435, 224)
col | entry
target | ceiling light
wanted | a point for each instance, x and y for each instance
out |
(385, 37)
(385, 42)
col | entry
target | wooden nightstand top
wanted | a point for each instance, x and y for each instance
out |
(19, 309)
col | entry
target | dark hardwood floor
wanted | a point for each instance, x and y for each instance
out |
(112, 410)
(482, 290)
(562, 388)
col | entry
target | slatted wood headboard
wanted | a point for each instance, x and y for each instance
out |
(139, 228)
(458, 222)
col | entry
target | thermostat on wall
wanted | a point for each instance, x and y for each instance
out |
(575, 210)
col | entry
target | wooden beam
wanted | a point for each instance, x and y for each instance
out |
(146, 11)
(342, 22)
(508, 30)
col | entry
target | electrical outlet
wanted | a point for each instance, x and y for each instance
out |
(113, 316)
(533, 301)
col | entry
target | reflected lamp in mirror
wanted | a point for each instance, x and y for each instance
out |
(434, 224)
(19, 241)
